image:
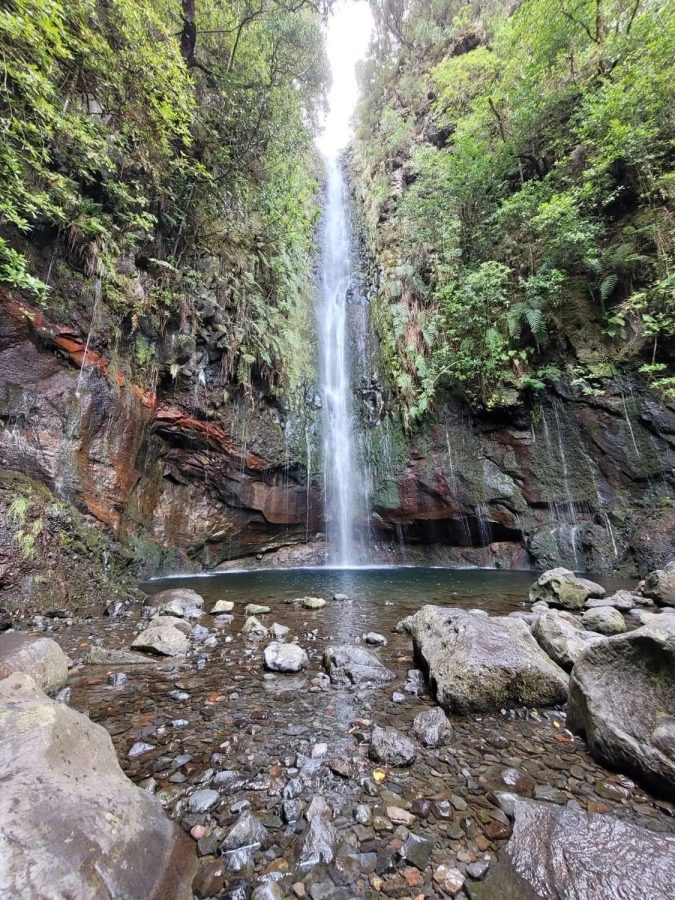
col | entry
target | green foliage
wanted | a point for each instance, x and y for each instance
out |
(539, 168)
(169, 132)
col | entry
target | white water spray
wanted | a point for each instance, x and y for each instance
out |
(340, 476)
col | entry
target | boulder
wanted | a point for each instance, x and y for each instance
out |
(180, 624)
(389, 746)
(71, 823)
(623, 600)
(622, 698)
(604, 620)
(182, 602)
(558, 634)
(479, 664)
(39, 657)
(564, 853)
(347, 664)
(280, 657)
(561, 587)
(165, 640)
(660, 585)
(432, 727)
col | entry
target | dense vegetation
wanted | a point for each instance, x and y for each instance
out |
(515, 163)
(157, 154)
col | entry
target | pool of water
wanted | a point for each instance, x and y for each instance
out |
(401, 589)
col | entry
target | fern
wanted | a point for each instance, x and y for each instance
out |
(608, 286)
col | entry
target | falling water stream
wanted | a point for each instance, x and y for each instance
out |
(340, 473)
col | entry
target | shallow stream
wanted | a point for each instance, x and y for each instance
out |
(218, 711)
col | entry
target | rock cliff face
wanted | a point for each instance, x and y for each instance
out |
(586, 481)
(136, 481)
(145, 466)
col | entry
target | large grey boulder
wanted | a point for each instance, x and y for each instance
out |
(622, 698)
(563, 853)
(71, 823)
(181, 602)
(660, 585)
(39, 657)
(165, 640)
(347, 664)
(604, 620)
(480, 663)
(281, 657)
(559, 635)
(561, 587)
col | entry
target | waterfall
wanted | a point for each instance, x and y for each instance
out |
(341, 476)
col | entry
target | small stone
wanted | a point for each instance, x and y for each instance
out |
(400, 816)
(280, 657)
(319, 750)
(550, 794)
(278, 631)
(417, 850)
(341, 598)
(376, 639)
(117, 679)
(202, 801)
(363, 814)
(291, 810)
(210, 878)
(432, 727)
(477, 869)
(397, 697)
(256, 609)
(390, 746)
(253, 628)
(222, 607)
(498, 831)
(313, 602)
(139, 748)
(449, 879)
(197, 832)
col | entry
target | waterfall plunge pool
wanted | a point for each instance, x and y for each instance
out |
(379, 595)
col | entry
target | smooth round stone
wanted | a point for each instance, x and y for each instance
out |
(313, 602)
(280, 657)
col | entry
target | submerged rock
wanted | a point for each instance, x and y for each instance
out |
(432, 727)
(348, 664)
(313, 602)
(39, 657)
(285, 657)
(162, 639)
(561, 587)
(478, 663)
(71, 823)
(604, 620)
(566, 854)
(623, 600)
(622, 698)
(558, 634)
(254, 628)
(387, 745)
(256, 609)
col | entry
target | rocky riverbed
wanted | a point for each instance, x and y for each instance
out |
(344, 778)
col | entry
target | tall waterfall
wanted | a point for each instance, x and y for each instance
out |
(341, 479)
